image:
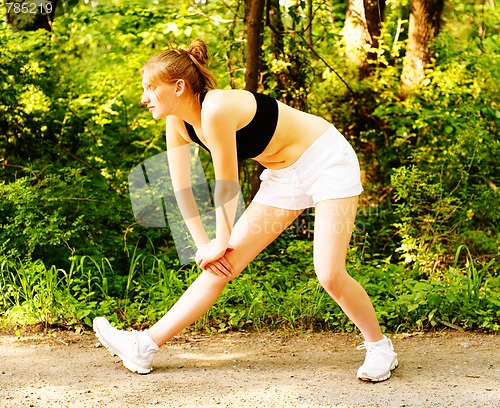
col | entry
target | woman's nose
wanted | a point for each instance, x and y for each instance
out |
(144, 99)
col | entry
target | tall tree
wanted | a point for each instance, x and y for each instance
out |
(425, 22)
(374, 13)
(254, 17)
(361, 30)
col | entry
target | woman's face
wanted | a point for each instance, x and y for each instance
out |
(160, 99)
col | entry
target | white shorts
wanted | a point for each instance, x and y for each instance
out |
(329, 168)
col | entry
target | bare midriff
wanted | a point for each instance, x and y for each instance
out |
(295, 132)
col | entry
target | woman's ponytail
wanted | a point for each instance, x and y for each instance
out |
(190, 64)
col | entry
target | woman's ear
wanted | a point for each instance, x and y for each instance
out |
(180, 87)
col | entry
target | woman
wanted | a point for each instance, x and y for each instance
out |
(308, 163)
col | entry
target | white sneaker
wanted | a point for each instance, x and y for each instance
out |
(380, 360)
(136, 349)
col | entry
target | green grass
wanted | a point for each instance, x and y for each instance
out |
(277, 291)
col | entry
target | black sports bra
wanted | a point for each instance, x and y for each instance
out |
(252, 139)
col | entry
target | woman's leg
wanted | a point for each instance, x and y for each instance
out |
(255, 230)
(334, 222)
(332, 233)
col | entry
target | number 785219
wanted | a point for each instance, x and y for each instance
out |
(29, 7)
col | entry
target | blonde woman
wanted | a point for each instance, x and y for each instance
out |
(308, 164)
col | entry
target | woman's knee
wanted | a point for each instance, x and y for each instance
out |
(333, 280)
(238, 262)
(219, 280)
(237, 269)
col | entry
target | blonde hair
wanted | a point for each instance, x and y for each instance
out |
(190, 64)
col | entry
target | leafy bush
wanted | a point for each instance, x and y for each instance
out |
(275, 292)
(446, 185)
(74, 128)
(63, 212)
(430, 162)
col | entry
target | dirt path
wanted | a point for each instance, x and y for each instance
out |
(62, 369)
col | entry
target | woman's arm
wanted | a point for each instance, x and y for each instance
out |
(179, 160)
(219, 123)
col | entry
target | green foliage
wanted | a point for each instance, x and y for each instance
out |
(26, 100)
(58, 213)
(37, 294)
(276, 292)
(73, 125)
(426, 244)
(458, 297)
(34, 220)
(446, 137)
(430, 162)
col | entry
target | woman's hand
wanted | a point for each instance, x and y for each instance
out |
(220, 268)
(211, 257)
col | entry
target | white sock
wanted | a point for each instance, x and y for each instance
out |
(382, 342)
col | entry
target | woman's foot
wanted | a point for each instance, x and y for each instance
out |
(136, 349)
(380, 360)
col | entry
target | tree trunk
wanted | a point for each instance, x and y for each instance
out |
(355, 33)
(254, 15)
(425, 21)
(362, 26)
(374, 13)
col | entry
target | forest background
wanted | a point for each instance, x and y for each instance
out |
(421, 109)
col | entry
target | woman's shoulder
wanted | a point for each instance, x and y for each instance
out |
(227, 96)
(228, 108)
(228, 104)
